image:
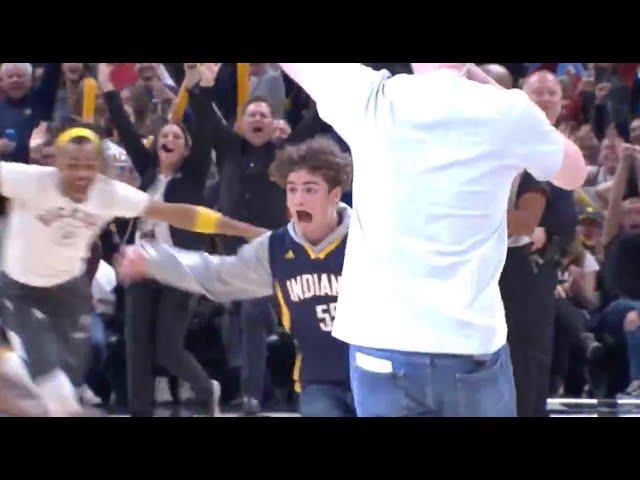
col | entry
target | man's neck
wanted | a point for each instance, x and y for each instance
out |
(73, 84)
(16, 101)
(165, 172)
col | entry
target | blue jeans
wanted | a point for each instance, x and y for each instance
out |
(326, 401)
(613, 323)
(258, 320)
(98, 343)
(613, 316)
(389, 383)
(633, 353)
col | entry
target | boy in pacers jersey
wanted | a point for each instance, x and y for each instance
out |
(300, 263)
(54, 216)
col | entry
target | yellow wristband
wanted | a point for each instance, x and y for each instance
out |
(207, 220)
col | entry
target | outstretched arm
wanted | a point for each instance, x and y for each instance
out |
(129, 202)
(222, 278)
(200, 219)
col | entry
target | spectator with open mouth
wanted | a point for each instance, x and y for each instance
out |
(174, 169)
(247, 193)
(300, 263)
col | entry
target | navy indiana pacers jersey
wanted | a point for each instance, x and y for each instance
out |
(306, 287)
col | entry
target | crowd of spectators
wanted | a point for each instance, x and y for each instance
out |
(597, 325)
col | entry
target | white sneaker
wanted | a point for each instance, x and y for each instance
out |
(87, 397)
(217, 392)
(162, 393)
(631, 393)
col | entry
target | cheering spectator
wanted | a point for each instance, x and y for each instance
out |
(24, 107)
(175, 169)
(608, 161)
(588, 144)
(622, 249)
(247, 193)
(612, 101)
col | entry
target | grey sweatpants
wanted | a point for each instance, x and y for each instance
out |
(52, 323)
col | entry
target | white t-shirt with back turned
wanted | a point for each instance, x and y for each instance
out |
(434, 159)
(48, 237)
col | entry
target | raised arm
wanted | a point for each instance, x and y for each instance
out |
(244, 276)
(203, 113)
(309, 127)
(628, 155)
(345, 93)
(45, 93)
(322, 80)
(600, 119)
(218, 135)
(140, 156)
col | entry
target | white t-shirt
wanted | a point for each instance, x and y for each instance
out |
(48, 236)
(150, 230)
(434, 158)
(104, 282)
(589, 263)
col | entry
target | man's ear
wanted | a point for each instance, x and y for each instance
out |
(336, 194)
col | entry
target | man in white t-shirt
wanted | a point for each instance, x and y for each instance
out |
(55, 214)
(434, 157)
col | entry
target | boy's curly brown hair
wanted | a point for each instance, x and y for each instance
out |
(319, 156)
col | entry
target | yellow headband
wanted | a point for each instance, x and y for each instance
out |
(68, 135)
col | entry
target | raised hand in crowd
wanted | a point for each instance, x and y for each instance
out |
(160, 91)
(281, 130)
(602, 91)
(104, 76)
(208, 73)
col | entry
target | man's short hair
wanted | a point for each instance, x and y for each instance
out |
(256, 99)
(27, 66)
(319, 156)
(537, 73)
